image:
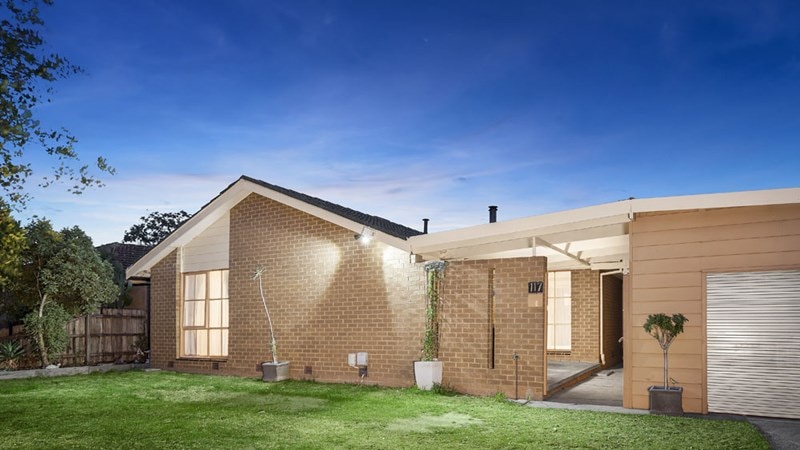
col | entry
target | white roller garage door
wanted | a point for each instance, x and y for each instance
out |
(753, 330)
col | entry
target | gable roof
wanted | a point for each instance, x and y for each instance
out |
(386, 231)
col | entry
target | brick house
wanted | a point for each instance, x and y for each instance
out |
(602, 269)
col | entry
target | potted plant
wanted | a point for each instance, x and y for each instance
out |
(665, 399)
(274, 370)
(428, 371)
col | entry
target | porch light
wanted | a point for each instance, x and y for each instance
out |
(366, 235)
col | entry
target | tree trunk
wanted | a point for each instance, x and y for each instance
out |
(666, 370)
(40, 335)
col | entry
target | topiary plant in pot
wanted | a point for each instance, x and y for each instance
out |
(665, 399)
(271, 370)
(428, 371)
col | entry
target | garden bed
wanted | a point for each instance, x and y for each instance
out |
(65, 371)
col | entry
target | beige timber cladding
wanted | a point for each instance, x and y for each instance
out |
(670, 254)
(519, 327)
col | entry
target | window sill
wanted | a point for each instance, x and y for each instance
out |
(559, 352)
(202, 358)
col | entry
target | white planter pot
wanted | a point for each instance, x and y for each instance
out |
(427, 373)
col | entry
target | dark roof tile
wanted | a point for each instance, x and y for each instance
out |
(374, 222)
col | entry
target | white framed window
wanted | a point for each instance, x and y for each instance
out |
(559, 311)
(204, 323)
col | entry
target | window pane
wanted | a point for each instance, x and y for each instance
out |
(559, 311)
(202, 342)
(215, 313)
(224, 284)
(215, 284)
(225, 313)
(224, 342)
(188, 288)
(563, 284)
(190, 342)
(194, 314)
(200, 286)
(199, 314)
(563, 338)
(188, 314)
(215, 342)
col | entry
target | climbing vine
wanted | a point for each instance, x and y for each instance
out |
(434, 274)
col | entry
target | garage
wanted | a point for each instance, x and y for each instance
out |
(753, 351)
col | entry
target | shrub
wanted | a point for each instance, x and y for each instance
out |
(52, 326)
(10, 354)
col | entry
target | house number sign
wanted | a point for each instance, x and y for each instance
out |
(536, 287)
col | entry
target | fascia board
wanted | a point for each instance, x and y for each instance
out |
(190, 229)
(518, 228)
(723, 200)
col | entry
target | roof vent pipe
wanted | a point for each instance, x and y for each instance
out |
(492, 214)
(425, 226)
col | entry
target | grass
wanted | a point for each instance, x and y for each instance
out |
(172, 410)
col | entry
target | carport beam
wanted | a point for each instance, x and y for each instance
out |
(541, 242)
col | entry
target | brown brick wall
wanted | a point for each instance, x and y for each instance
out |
(518, 327)
(164, 298)
(328, 296)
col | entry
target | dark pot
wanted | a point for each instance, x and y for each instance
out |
(275, 371)
(666, 401)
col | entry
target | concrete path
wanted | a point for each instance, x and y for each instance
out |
(560, 371)
(603, 388)
(782, 434)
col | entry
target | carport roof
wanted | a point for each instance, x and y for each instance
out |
(595, 237)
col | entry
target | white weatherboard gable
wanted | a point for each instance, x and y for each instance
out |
(209, 250)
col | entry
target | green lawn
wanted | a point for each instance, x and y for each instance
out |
(172, 410)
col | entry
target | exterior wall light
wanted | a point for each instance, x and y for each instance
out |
(366, 235)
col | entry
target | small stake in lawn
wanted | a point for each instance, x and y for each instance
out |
(665, 329)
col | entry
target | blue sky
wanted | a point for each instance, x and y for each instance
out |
(423, 109)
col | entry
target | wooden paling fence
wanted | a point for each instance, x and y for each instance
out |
(112, 335)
